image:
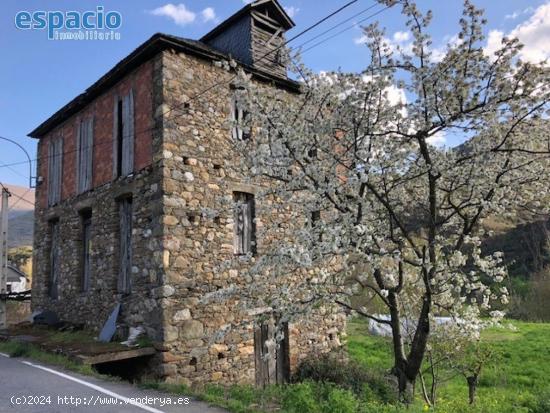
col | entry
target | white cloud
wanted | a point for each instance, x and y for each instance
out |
(439, 139)
(401, 37)
(396, 96)
(534, 33)
(494, 42)
(518, 13)
(209, 14)
(361, 40)
(292, 11)
(178, 13)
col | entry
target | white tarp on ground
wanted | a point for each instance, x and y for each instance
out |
(384, 330)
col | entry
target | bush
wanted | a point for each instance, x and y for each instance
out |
(311, 397)
(301, 398)
(330, 369)
(340, 401)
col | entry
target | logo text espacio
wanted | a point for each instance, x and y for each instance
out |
(92, 24)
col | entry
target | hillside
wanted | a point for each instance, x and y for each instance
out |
(20, 216)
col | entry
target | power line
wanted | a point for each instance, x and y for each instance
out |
(21, 198)
(13, 170)
(336, 26)
(345, 30)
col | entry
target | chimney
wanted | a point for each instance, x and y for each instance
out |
(252, 36)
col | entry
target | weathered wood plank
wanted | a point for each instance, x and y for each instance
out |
(114, 356)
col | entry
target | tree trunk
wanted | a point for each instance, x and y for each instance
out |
(406, 388)
(472, 388)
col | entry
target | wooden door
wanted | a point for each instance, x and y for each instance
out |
(271, 367)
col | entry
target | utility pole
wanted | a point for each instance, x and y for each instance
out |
(3, 256)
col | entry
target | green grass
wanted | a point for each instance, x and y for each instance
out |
(517, 381)
(17, 349)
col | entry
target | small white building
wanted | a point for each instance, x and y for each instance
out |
(17, 280)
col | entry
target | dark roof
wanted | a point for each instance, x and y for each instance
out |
(274, 5)
(14, 274)
(157, 43)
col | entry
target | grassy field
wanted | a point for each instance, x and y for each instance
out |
(518, 381)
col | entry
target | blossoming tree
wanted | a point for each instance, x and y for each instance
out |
(383, 213)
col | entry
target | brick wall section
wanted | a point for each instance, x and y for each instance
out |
(141, 80)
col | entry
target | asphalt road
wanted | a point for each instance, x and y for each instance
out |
(30, 387)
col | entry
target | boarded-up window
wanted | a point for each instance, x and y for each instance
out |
(245, 229)
(55, 170)
(272, 356)
(238, 116)
(123, 135)
(125, 240)
(84, 154)
(53, 280)
(86, 269)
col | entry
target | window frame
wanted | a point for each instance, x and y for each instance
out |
(125, 259)
(244, 237)
(86, 246)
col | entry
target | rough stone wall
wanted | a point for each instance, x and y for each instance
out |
(142, 306)
(188, 163)
(200, 170)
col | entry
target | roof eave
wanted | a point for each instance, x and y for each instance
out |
(143, 53)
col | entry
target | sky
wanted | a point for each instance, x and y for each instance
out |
(38, 76)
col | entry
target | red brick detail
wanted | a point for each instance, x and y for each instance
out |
(141, 81)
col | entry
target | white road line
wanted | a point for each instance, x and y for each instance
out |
(95, 387)
(5, 355)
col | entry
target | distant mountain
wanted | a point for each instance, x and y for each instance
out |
(20, 216)
(20, 229)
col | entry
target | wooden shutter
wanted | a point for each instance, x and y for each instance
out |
(86, 251)
(238, 225)
(247, 225)
(116, 137)
(244, 241)
(51, 172)
(89, 154)
(54, 260)
(55, 162)
(85, 150)
(128, 134)
(234, 120)
(125, 267)
(237, 117)
(79, 148)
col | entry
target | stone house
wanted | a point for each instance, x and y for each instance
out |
(125, 170)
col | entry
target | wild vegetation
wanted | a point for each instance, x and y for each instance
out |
(514, 381)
